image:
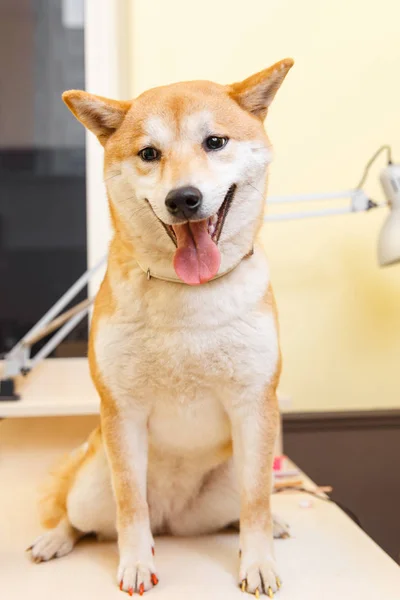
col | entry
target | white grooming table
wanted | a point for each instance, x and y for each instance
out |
(327, 558)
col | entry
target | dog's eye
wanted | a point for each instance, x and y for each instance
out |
(215, 142)
(148, 154)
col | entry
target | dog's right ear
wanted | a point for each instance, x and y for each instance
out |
(100, 115)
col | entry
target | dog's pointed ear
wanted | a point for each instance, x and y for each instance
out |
(100, 115)
(256, 93)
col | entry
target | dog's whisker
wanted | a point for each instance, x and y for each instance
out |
(112, 176)
(254, 188)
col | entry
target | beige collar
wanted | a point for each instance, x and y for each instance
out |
(152, 273)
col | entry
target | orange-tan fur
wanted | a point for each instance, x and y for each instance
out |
(53, 505)
(187, 376)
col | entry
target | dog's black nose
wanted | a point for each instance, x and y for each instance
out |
(184, 201)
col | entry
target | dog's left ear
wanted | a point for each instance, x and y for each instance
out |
(256, 93)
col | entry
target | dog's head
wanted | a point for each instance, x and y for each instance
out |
(185, 167)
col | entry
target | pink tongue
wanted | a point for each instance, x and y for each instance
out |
(197, 258)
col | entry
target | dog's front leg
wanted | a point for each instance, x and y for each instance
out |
(254, 429)
(125, 438)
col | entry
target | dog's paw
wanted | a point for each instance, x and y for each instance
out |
(53, 544)
(281, 530)
(260, 578)
(258, 572)
(136, 576)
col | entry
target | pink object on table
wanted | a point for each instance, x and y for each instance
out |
(278, 463)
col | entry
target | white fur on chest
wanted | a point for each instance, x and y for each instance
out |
(186, 351)
(191, 428)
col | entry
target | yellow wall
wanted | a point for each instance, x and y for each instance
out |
(340, 314)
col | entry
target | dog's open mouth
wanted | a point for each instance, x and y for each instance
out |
(197, 258)
(214, 223)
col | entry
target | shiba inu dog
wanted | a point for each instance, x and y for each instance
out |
(184, 348)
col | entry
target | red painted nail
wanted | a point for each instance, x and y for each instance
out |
(154, 579)
(153, 551)
(130, 591)
(121, 583)
(141, 589)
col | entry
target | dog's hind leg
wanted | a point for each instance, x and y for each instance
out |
(281, 530)
(215, 507)
(59, 502)
(61, 536)
(56, 542)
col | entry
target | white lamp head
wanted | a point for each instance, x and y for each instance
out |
(389, 239)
